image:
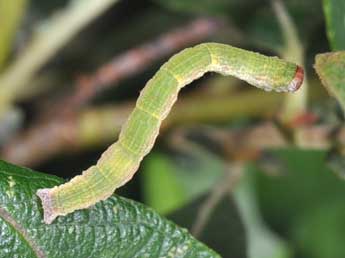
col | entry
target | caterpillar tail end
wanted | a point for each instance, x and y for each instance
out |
(297, 81)
(49, 214)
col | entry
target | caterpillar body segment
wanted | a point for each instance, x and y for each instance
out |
(121, 160)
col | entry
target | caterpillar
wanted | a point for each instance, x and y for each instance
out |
(121, 160)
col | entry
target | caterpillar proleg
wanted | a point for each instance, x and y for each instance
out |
(120, 161)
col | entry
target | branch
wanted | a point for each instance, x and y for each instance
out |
(50, 37)
(134, 61)
(220, 190)
(295, 104)
(47, 139)
(11, 13)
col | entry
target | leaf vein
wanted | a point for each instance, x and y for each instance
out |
(6, 216)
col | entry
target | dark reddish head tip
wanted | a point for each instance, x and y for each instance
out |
(297, 81)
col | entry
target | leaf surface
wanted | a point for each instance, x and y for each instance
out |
(335, 19)
(117, 227)
(331, 69)
(306, 202)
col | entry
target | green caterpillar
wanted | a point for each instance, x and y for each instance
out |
(121, 160)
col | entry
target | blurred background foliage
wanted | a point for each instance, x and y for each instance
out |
(216, 169)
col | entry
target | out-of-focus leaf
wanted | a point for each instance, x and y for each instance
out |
(162, 190)
(262, 242)
(296, 197)
(331, 69)
(116, 227)
(198, 6)
(320, 233)
(223, 230)
(178, 180)
(335, 18)
(49, 37)
(11, 13)
(223, 8)
(306, 183)
(261, 30)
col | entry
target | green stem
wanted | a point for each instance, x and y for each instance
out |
(295, 104)
(50, 37)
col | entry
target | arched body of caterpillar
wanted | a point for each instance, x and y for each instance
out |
(121, 160)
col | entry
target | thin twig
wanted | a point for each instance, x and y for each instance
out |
(217, 193)
(11, 14)
(134, 61)
(240, 144)
(109, 75)
(44, 140)
(47, 40)
(295, 104)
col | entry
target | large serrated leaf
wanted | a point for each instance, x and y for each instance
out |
(116, 227)
(335, 18)
(331, 69)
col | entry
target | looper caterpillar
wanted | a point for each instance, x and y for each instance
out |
(121, 160)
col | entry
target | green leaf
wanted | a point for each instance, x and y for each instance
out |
(335, 19)
(169, 182)
(179, 185)
(221, 8)
(223, 231)
(116, 227)
(306, 202)
(262, 242)
(320, 233)
(162, 189)
(330, 67)
(198, 6)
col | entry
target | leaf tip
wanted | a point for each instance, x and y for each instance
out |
(320, 59)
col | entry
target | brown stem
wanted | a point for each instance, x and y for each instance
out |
(218, 192)
(101, 125)
(134, 61)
